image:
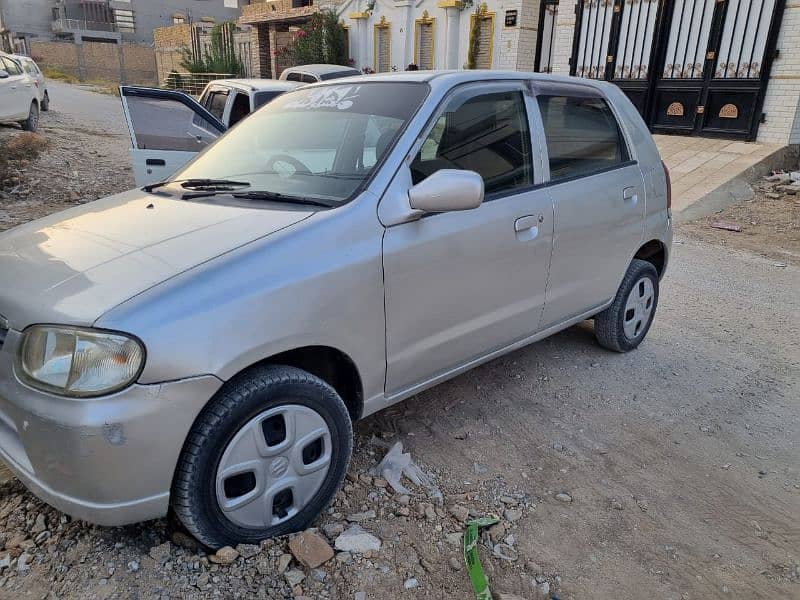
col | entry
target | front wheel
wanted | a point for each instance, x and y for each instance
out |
(623, 325)
(263, 459)
(32, 122)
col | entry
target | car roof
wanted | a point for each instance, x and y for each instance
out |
(447, 79)
(22, 57)
(320, 69)
(253, 84)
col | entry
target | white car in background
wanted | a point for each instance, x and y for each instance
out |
(19, 95)
(168, 127)
(32, 69)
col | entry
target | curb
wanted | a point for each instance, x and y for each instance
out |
(740, 188)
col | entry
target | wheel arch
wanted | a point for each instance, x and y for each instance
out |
(654, 252)
(333, 366)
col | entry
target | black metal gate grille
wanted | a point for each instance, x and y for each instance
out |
(689, 66)
(545, 41)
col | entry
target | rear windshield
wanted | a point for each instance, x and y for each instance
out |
(321, 142)
(338, 74)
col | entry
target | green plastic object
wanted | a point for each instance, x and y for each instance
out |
(480, 584)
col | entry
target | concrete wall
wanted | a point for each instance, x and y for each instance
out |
(123, 63)
(151, 14)
(782, 100)
(31, 18)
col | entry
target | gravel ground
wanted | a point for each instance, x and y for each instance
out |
(670, 472)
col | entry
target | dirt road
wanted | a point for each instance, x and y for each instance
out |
(671, 472)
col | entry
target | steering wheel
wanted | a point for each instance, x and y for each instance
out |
(286, 166)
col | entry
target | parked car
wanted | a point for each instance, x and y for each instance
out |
(223, 103)
(231, 100)
(316, 73)
(206, 343)
(34, 72)
(19, 96)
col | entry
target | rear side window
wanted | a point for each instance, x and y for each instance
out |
(261, 98)
(582, 135)
(306, 78)
(488, 134)
(293, 76)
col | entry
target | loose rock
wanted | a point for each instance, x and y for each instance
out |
(310, 549)
(355, 539)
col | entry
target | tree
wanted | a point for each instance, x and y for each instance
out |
(321, 40)
(220, 56)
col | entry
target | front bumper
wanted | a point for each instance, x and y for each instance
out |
(106, 460)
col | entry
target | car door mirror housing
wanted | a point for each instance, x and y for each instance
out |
(447, 190)
(3, 74)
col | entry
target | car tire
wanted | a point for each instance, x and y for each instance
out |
(46, 102)
(32, 122)
(241, 476)
(623, 325)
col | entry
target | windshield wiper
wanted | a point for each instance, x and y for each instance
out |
(221, 185)
(277, 197)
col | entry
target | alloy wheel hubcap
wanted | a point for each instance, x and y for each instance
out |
(273, 466)
(638, 308)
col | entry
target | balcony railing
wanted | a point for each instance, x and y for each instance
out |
(64, 25)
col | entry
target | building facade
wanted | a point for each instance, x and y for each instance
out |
(718, 68)
(25, 21)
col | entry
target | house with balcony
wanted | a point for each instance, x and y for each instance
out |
(25, 21)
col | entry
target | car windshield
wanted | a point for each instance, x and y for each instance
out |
(321, 142)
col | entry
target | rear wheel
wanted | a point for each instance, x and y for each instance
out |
(32, 122)
(263, 459)
(623, 325)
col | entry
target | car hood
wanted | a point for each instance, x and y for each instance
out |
(73, 266)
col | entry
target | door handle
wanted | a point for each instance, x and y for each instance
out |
(629, 195)
(527, 227)
(155, 162)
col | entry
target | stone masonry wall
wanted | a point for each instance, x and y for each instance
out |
(120, 63)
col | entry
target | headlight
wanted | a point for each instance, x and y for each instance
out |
(78, 362)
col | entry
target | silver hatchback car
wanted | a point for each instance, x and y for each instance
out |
(206, 342)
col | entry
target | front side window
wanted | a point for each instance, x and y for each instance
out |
(318, 143)
(582, 135)
(215, 104)
(487, 134)
(10, 66)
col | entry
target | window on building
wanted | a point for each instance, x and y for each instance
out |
(485, 39)
(231, 3)
(488, 134)
(125, 20)
(423, 42)
(383, 48)
(582, 135)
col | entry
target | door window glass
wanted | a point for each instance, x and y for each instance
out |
(293, 76)
(216, 103)
(487, 134)
(166, 124)
(11, 66)
(240, 109)
(582, 135)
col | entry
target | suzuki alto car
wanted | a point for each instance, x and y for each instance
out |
(206, 342)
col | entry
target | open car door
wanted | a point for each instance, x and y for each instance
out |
(168, 128)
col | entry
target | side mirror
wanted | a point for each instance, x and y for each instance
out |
(3, 74)
(446, 190)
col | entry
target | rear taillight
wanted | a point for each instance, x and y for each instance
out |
(669, 184)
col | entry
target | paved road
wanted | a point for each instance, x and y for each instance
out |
(696, 434)
(88, 108)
